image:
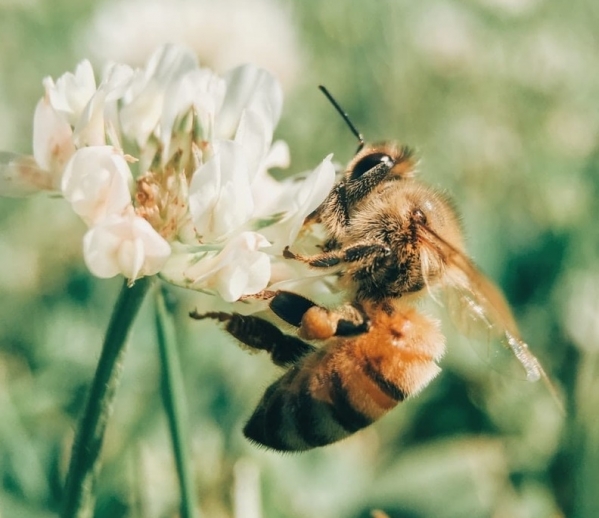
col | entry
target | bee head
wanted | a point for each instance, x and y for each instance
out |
(398, 160)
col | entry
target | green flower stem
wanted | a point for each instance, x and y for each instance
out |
(175, 404)
(78, 499)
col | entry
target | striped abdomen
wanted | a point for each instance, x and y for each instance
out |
(349, 383)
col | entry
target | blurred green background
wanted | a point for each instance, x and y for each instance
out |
(499, 97)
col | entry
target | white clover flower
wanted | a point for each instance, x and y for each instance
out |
(168, 167)
(240, 268)
(71, 92)
(96, 182)
(126, 245)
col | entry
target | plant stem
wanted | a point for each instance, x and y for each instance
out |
(79, 498)
(175, 404)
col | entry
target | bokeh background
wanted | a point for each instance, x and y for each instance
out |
(499, 97)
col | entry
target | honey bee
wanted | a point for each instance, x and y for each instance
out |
(390, 239)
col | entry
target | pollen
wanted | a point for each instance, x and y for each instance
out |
(159, 200)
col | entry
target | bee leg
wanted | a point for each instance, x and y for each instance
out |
(336, 207)
(358, 188)
(261, 295)
(331, 244)
(352, 320)
(350, 254)
(290, 307)
(320, 323)
(316, 322)
(259, 334)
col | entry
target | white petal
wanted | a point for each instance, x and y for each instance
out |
(298, 201)
(89, 130)
(239, 269)
(72, 92)
(254, 134)
(220, 198)
(248, 278)
(201, 89)
(100, 251)
(208, 99)
(249, 87)
(116, 80)
(96, 183)
(52, 138)
(317, 185)
(169, 62)
(144, 101)
(269, 194)
(156, 248)
(130, 257)
(124, 244)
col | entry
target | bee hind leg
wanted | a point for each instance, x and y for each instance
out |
(221, 316)
(316, 322)
(290, 307)
(259, 334)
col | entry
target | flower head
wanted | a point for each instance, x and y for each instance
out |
(167, 166)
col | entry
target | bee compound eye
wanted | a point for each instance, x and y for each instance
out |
(367, 162)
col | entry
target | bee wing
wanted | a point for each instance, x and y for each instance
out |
(479, 303)
(20, 175)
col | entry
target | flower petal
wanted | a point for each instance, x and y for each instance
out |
(220, 198)
(52, 138)
(239, 269)
(96, 183)
(297, 200)
(116, 80)
(254, 134)
(201, 89)
(89, 130)
(72, 92)
(249, 88)
(144, 102)
(124, 244)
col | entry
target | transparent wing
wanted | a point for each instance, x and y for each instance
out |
(478, 304)
(20, 175)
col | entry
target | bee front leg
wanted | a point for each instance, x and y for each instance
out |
(336, 208)
(358, 188)
(362, 250)
(259, 334)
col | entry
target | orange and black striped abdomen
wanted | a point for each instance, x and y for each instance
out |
(348, 384)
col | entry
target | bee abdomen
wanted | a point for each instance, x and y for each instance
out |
(299, 420)
(343, 409)
(388, 387)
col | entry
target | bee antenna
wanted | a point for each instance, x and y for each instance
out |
(344, 116)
